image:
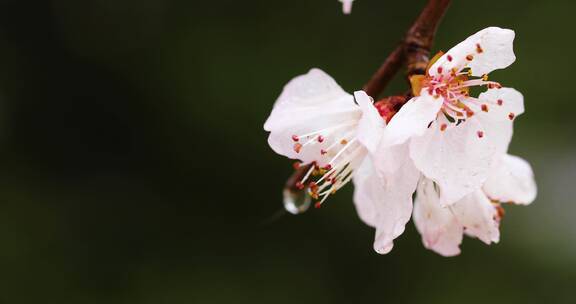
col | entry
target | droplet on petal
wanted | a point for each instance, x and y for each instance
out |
(296, 202)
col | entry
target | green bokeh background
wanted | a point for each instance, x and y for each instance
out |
(134, 167)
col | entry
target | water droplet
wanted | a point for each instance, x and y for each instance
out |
(296, 201)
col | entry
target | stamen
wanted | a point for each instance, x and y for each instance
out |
(479, 48)
(297, 147)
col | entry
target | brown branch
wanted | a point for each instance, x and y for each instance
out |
(420, 36)
(386, 72)
(414, 50)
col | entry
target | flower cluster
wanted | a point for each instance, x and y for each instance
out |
(445, 145)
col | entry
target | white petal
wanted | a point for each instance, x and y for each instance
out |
(346, 6)
(384, 204)
(440, 230)
(306, 93)
(371, 125)
(412, 119)
(457, 159)
(511, 101)
(511, 180)
(309, 103)
(496, 45)
(478, 216)
(497, 123)
(389, 159)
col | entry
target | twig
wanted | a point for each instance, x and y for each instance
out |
(420, 36)
(386, 72)
(414, 49)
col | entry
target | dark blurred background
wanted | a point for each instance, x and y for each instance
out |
(134, 167)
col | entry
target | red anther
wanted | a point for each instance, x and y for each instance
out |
(299, 185)
(469, 113)
(296, 165)
(313, 186)
(322, 151)
(317, 205)
(469, 57)
(500, 211)
(484, 108)
(449, 57)
(320, 138)
(511, 116)
(327, 167)
(479, 48)
(443, 127)
(494, 86)
(439, 70)
(343, 142)
(297, 147)
(500, 102)
(295, 138)
(480, 134)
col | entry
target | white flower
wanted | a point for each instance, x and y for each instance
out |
(477, 214)
(318, 123)
(346, 6)
(454, 139)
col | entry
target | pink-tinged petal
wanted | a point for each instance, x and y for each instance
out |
(371, 125)
(478, 216)
(440, 230)
(346, 6)
(487, 50)
(312, 104)
(384, 204)
(511, 180)
(412, 119)
(458, 158)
